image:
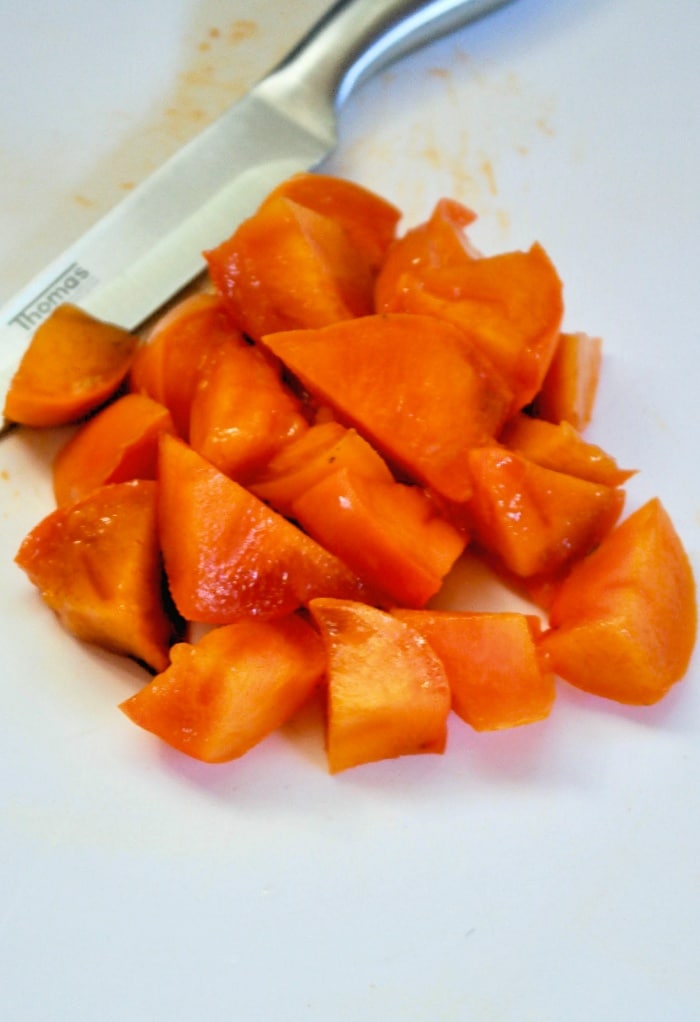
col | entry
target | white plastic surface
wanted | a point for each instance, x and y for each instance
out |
(548, 874)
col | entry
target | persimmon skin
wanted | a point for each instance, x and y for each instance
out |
(624, 622)
(73, 365)
(222, 695)
(97, 565)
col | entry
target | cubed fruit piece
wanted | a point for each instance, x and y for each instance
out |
(533, 519)
(119, 443)
(73, 364)
(228, 555)
(368, 219)
(222, 695)
(324, 448)
(624, 621)
(497, 677)
(391, 534)
(388, 694)
(289, 267)
(509, 305)
(561, 447)
(569, 389)
(412, 385)
(439, 241)
(167, 365)
(97, 565)
(242, 413)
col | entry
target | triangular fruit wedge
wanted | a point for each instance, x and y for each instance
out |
(227, 555)
(412, 385)
(117, 444)
(73, 364)
(624, 621)
(97, 565)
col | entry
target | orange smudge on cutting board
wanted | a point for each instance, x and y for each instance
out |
(444, 75)
(242, 29)
(544, 126)
(503, 218)
(489, 174)
(4, 474)
(206, 88)
(84, 200)
(432, 155)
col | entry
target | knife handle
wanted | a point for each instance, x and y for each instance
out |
(352, 41)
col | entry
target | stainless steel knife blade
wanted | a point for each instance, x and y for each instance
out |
(145, 250)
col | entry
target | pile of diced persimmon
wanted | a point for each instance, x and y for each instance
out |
(265, 494)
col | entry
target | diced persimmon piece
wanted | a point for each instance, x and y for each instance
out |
(390, 534)
(510, 306)
(242, 413)
(168, 364)
(73, 365)
(440, 241)
(411, 385)
(289, 267)
(97, 565)
(310, 457)
(570, 385)
(561, 447)
(119, 443)
(228, 555)
(388, 695)
(497, 677)
(536, 520)
(222, 695)
(623, 623)
(368, 219)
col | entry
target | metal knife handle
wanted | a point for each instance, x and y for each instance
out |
(352, 41)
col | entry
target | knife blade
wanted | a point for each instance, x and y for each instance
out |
(149, 247)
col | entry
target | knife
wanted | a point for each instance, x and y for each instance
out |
(149, 247)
